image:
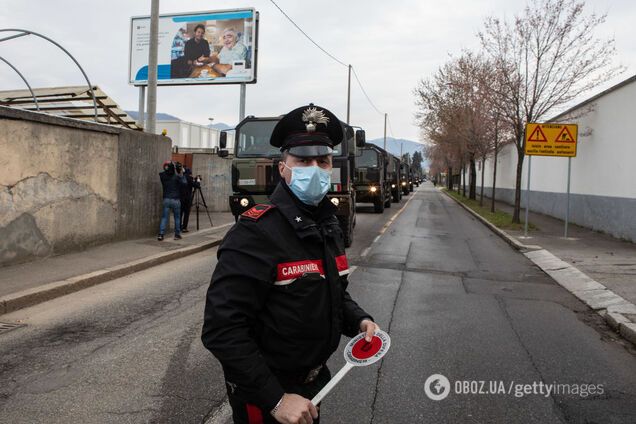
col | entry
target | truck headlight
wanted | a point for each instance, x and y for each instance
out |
(373, 189)
(335, 201)
(244, 202)
(403, 183)
(392, 185)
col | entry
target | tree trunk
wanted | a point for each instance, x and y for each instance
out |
(483, 172)
(463, 179)
(472, 189)
(449, 178)
(494, 182)
(516, 214)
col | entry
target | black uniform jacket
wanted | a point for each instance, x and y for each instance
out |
(278, 299)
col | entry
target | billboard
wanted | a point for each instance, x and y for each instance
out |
(215, 47)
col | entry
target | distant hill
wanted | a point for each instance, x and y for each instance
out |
(160, 116)
(393, 146)
(221, 126)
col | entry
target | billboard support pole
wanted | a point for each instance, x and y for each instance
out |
(152, 66)
(567, 207)
(349, 96)
(525, 224)
(142, 107)
(242, 103)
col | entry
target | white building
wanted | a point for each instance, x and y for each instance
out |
(603, 186)
(185, 134)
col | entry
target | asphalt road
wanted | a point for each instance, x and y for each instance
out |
(456, 300)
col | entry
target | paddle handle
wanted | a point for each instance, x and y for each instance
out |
(332, 383)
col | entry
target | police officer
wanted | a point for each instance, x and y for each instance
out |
(278, 301)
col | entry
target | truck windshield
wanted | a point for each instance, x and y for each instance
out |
(368, 159)
(253, 140)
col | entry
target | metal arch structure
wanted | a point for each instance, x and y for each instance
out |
(25, 32)
(35, 98)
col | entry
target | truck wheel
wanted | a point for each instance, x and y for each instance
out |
(378, 205)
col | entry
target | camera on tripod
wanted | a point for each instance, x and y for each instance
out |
(198, 178)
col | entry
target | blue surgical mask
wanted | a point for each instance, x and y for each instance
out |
(309, 183)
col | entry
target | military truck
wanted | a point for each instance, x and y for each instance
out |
(405, 178)
(255, 169)
(373, 185)
(394, 171)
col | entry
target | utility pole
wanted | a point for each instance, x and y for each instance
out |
(349, 96)
(385, 131)
(152, 67)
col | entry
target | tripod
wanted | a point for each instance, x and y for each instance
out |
(198, 200)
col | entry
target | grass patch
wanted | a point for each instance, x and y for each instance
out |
(499, 219)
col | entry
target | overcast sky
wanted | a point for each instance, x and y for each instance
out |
(392, 44)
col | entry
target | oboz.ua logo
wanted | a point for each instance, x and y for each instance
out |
(437, 387)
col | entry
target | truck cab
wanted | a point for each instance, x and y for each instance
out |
(255, 169)
(393, 170)
(373, 185)
(405, 178)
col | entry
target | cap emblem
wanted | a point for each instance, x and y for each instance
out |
(313, 117)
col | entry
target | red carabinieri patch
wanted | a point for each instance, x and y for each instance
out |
(289, 271)
(257, 211)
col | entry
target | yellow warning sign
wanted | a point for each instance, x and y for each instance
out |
(551, 139)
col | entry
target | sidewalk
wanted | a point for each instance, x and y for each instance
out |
(33, 282)
(610, 261)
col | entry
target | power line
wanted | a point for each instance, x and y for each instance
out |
(306, 35)
(388, 120)
(355, 74)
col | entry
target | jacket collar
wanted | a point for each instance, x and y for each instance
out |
(301, 217)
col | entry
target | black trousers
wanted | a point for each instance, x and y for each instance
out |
(186, 205)
(246, 413)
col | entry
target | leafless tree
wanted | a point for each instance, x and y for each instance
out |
(454, 107)
(548, 57)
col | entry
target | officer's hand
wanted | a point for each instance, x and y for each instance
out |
(369, 327)
(295, 409)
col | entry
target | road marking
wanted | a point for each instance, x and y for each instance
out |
(365, 252)
(222, 415)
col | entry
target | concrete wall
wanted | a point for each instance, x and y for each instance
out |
(66, 184)
(216, 179)
(602, 175)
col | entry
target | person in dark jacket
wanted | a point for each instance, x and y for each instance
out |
(186, 198)
(172, 181)
(278, 304)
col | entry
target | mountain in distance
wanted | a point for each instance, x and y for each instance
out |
(408, 146)
(221, 126)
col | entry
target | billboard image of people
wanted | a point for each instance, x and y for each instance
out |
(197, 48)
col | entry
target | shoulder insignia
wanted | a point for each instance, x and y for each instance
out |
(257, 211)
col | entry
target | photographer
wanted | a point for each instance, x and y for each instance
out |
(186, 197)
(172, 181)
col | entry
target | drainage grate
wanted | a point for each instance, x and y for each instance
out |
(8, 326)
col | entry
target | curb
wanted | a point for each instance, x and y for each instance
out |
(33, 296)
(612, 307)
(501, 233)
